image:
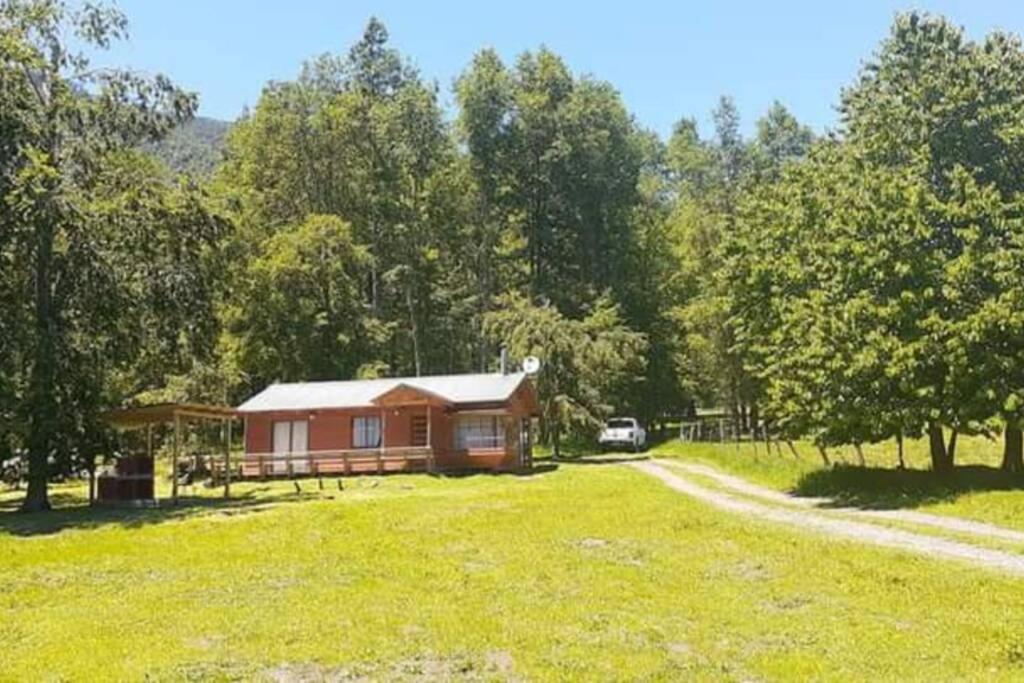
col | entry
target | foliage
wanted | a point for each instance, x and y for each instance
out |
(880, 296)
(847, 290)
(557, 160)
(84, 230)
(584, 361)
(713, 180)
(361, 139)
(298, 314)
(194, 147)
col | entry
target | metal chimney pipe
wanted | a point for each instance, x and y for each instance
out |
(504, 359)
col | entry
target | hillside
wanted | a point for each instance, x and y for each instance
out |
(194, 147)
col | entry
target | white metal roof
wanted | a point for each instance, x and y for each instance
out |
(360, 393)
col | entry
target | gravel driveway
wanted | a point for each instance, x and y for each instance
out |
(955, 524)
(820, 522)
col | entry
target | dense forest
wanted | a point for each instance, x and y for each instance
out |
(195, 147)
(863, 285)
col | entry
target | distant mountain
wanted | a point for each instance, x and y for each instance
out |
(195, 147)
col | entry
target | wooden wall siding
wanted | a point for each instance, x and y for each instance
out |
(257, 434)
(486, 459)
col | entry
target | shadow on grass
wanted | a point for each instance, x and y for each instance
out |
(543, 467)
(609, 459)
(71, 513)
(882, 488)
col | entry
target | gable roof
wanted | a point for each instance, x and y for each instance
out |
(482, 388)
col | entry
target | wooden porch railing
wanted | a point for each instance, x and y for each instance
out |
(333, 462)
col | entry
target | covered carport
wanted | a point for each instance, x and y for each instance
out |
(179, 416)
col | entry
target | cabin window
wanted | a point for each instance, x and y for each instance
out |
(479, 431)
(366, 432)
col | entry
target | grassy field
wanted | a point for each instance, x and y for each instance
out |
(977, 489)
(583, 571)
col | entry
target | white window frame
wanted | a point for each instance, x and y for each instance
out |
(474, 432)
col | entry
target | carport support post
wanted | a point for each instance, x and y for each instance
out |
(383, 437)
(149, 453)
(430, 444)
(227, 459)
(174, 458)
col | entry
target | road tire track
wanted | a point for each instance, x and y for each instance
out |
(817, 522)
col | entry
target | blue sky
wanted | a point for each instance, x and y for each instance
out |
(668, 60)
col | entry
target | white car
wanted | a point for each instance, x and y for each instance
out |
(622, 432)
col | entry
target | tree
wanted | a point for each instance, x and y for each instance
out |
(828, 266)
(713, 177)
(948, 111)
(780, 139)
(652, 291)
(61, 120)
(557, 161)
(584, 362)
(362, 139)
(299, 314)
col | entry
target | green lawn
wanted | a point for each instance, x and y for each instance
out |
(976, 490)
(587, 571)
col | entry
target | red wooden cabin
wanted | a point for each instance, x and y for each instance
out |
(440, 423)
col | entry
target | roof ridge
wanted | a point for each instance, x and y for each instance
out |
(406, 378)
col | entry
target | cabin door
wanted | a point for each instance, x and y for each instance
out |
(282, 446)
(291, 441)
(300, 446)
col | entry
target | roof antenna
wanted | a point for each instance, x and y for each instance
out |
(504, 359)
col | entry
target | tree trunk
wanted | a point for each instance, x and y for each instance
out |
(792, 449)
(92, 480)
(556, 441)
(860, 455)
(414, 329)
(42, 374)
(899, 451)
(941, 462)
(374, 288)
(1013, 449)
(824, 456)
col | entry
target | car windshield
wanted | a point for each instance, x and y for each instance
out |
(620, 424)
